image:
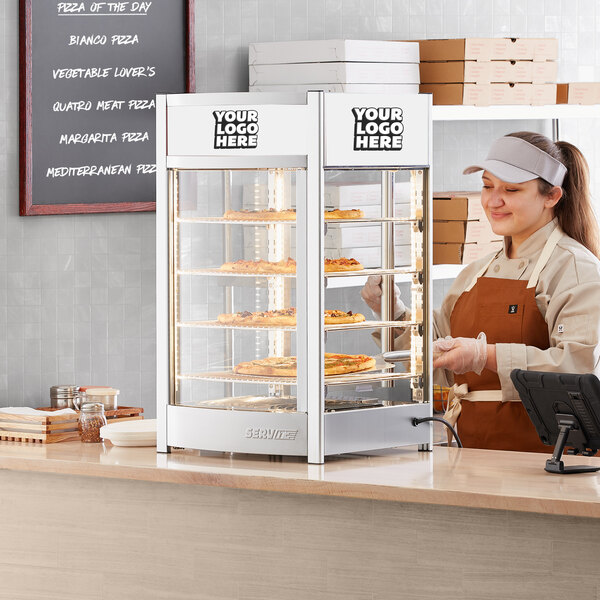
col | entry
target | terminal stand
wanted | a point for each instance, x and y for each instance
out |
(569, 431)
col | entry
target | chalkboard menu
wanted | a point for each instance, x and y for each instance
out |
(89, 72)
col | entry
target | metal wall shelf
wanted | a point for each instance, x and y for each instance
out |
(514, 112)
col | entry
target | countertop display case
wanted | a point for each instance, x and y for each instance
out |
(269, 207)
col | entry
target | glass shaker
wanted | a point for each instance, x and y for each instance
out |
(91, 418)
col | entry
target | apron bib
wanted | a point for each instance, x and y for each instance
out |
(507, 312)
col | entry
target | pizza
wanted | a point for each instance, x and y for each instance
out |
(268, 214)
(286, 366)
(285, 317)
(260, 266)
(287, 266)
(342, 264)
(353, 213)
(334, 317)
(287, 214)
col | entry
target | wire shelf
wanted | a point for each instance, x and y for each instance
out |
(328, 327)
(293, 221)
(346, 379)
(362, 272)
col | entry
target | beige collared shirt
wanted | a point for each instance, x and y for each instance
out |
(568, 297)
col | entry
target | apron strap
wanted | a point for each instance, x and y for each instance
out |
(481, 271)
(547, 251)
(458, 393)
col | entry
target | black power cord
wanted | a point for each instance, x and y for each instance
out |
(416, 422)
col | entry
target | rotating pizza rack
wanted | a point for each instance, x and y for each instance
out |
(223, 154)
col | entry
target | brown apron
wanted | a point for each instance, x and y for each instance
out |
(507, 312)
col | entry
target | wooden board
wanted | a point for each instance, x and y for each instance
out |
(48, 429)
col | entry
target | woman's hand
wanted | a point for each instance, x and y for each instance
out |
(371, 294)
(461, 355)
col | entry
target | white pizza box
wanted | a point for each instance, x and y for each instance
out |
(402, 211)
(358, 195)
(371, 257)
(351, 88)
(334, 72)
(350, 236)
(267, 53)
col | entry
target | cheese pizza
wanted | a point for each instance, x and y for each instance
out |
(285, 317)
(268, 214)
(287, 214)
(353, 213)
(260, 266)
(342, 264)
(288, 266)
(286, 366)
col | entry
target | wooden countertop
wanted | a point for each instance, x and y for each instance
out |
(488, 479)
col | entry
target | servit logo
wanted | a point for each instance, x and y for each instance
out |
(378, 128)
(235, 129)
(270, 433)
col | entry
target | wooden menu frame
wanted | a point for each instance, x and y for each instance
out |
(27, 89)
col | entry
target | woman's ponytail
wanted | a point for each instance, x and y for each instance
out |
(574, 210)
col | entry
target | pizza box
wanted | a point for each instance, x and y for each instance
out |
(459, 254)
(457, 206)
(485, 94)
(473, 252)
(267, 53)
(496, 71)
(352, 88)
(334, 72)
(538, 49)
(349, 236)
(456, 49)
(402, 211)
(457, 71)
(371, 257)
(358, 195)
(578, 93)
(463, 232)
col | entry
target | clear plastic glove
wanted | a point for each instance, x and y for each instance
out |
(460, 355)
(371, 294)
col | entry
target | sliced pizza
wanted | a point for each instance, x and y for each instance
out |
(287, 214)
(353, 213)
(342, 264)
(286, 366)
(285, 317)
(260, 266)
(288, 266)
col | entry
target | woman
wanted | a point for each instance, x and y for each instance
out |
(533, 305)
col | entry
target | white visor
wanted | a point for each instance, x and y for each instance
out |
(514, 160)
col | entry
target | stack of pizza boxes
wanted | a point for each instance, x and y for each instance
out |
(461, 231)
(489, 71)
(360, 66)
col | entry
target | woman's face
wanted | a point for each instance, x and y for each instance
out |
(516, 209)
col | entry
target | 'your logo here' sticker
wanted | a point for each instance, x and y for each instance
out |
(235, 129)
(378, 128)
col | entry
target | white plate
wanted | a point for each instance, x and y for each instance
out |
(131, 433)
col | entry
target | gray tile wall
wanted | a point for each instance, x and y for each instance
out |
(77, 300)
